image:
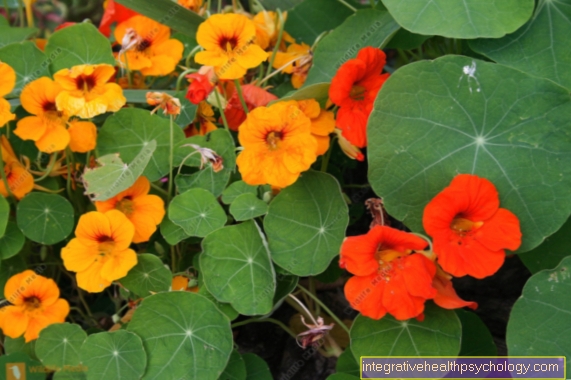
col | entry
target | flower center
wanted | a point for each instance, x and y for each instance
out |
(85, 83)
(462, 226)
(49, 106)
(357, 92)
(106, 246)
(385, 257)
(228, 43)
(32, 303)
(143, 45)
(273, 139)
(125, 205)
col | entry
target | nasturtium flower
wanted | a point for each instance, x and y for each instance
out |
(7, 83)
(354, 89)
(165, 102)
(100, 252)
(229, 43)
(146, 46)
(349, 149)
(322, 123)
(278, 145)
(469, 229)
(193, 5)
(35, 305)
(201, 84)
(254, 97)
(296, 60)
(145, 211)
(20, 181)
(389, 276)
(182, 283)
(267, 29)
(446, 296)
(114, 13)
(203, 122)
(86, 92)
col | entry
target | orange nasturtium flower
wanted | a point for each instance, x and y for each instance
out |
(7, 83)
(193, 5)
(114, 13)
(354, 89)
(203, 122)
(100, 252)
(296, 60)
(143, 210)
(254, 97)
(146, 46)
(48, 125)
(389, 276)
(20, 181)
(322, 123)
(86, 92)
(278, 145)
(229, 43)
(267, 29)
(181, 283)
(35, 305)
(469, 229)
(163, 101)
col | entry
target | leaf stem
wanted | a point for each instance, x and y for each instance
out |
(327, 310)
(48, 169)
(348, 5)
(325, 160)
(241, 95)
(181, 76)
(281, 24)
(224, 121)
(171, 159)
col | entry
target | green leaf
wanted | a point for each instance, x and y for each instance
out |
(225, 308)
(461, 19)
(312, 17)
(114, 355)
(21, 366)
(476, 338)
(79, 44)
(197, 211)
(539, 319)
(279, 4)
(367, 27)
(59, 345)
(45, 218)
(256, 368)
(221, 142)
(236, 189)
(346, 363)
(168, 13)
(403, 39)
(12, 346)
(189, 43)
(284, 286)
(539, 47)
(550, 252)
(237, 269)
(149, 276)
(184, 334)
(12, 242)
(342, 376)
(317, 91)
(29, 62)
(140, 96)
(236, 368)
(10, 267)
(10, 35)
(113, 175)
(431, 122)
(306, 224)
(172, 233)
(187, 112)
(126, 132)
(438, 335)
(248, 206)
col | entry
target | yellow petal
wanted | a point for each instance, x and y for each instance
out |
(91, 279)
(119, 264)
(78, 256)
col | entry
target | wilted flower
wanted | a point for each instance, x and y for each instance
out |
(169, 104)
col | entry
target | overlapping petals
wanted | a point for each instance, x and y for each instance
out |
(296, 60)
(254, 96)
(20, 181)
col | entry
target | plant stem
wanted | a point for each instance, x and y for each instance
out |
(7, 11)
(348, 5)
(224, 121)
(315, 305)
(241, 95)
(327, 310)
(372, 2)
(49, 168)
(159, 189)
(325, 159)
(271, 320)
(219, 6)
(181, 77)
(171, 160)
(281, 24)
(303, 307)
(21, 12)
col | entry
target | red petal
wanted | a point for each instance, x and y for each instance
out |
(364, 293)
(447, 297)
(499, 232)
(114, 13)
(374, 60)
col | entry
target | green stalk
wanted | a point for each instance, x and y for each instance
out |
(327, 310)
(49, 168)
(181, 77)
(348, 5)
(224, 121)
(21, 12)
(325, 160)
(241, 95)
(219, 6)
(278, 42)
(171, 160)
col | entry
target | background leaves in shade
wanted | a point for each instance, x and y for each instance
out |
(256, 368)
(149, 276)
(129, 130)
(235, 369)
(306, 223)
(184, 334)
(476, 338)
(431, 122)
(45, 218)
(114, 355)
(236, 268)
(197, 211)
(540, 47)
(4, 215)
(367, 27)
(550, 253)
(79, 44)
(59, 345)
(461, 19)
(10, 35)
(28, 62)
(539, 320)
(438, 335)
(12, 241)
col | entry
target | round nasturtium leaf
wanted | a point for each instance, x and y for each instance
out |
(461, 19)
(248, 206)
(540, 47)
(438, 335)
(114, 355)
(306, 224)
(184, 334)
(236, 268)
(539, 320)
(12, 241)
(4, 215)
(20, 366)
(235, 369)
(197, 211)
(550, 253)
(172, 233)
(256, 368)
(19, 345)
(45, 218)
(59, 345)
(236, 189)
(149, 276)
(435, 119)
(127, 131)
(346, 363)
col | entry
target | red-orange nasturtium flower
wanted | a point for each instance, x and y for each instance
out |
(469, 229)
(35, 305)
(20, 181)
(146, 46)
(254, 96)
(229, 43)
(296, 60)
(86, 92)
(143, 210)
(114, 13)
(100, 252)
(278, 145)
(446, 297)
(7, 83)
(48, 125)
(354, 89)
(389, 276)
(201, 84)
